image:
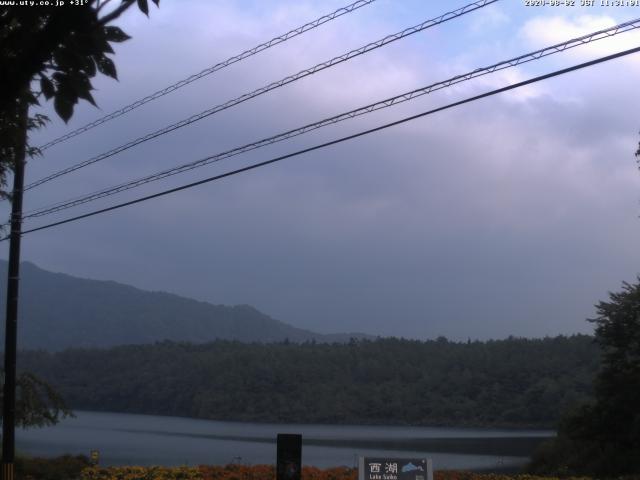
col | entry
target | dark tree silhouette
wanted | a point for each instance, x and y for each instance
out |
(603, 438)
(615, 417)
(512, 382)
(37, 403)
(52, 53)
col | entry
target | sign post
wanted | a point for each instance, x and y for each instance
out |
(289, 460)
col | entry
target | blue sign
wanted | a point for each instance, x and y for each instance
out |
(379, 468)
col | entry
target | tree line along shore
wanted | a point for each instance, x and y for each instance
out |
(514, 382)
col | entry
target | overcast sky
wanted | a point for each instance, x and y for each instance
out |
(512, 215)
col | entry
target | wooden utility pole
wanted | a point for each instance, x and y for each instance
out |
(13, 284)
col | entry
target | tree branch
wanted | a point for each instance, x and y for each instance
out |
(124, 6)
(102, 4)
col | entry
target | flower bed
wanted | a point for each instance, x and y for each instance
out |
(141, 473)
(267, 472)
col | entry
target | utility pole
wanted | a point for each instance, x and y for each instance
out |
(13, 284)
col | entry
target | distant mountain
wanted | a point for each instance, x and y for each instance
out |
(58, 311)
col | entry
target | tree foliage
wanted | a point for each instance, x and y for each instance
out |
(513, 382)
(58, 468)
(52, 53)
(603, 438)
(37, 403)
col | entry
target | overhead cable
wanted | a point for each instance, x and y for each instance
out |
(208, 71)
(336, 141)
(272, 86)
(560, 47)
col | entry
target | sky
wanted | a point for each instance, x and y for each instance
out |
(511, 215)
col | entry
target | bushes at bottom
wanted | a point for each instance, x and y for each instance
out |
(67, 467)
(141, 473)
(268, 472)
(214, 472)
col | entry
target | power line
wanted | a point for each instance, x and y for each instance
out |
(272, 86)
(339, 140)
(560, 47)
(208, 71)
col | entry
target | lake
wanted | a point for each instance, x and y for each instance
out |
(126, 439)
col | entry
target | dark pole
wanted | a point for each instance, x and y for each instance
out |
(13, 283)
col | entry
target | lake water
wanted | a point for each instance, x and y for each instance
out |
(124, 439)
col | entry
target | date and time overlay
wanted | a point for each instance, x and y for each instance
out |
(526, 3)
(581, 3)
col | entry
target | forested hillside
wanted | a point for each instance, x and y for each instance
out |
(59, 311)
(513, 382)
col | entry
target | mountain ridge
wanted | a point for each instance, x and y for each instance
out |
(104, 313)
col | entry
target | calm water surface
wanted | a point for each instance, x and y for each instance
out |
(125, 439)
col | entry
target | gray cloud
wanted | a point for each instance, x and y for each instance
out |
(512, 215)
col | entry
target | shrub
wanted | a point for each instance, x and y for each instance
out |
(67, 467)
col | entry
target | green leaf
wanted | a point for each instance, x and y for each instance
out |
(86, 95)
(104, 45)
(97, 43)
(46, 85)
(37, 121)
(144, 7)
(64, 106)
(66, 58)
(31, 99)
(115, 34)
(107, 67)
(76, 85)
(89, 66)
(33, 152)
